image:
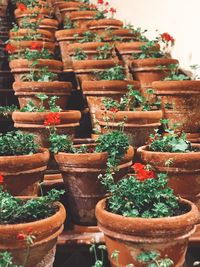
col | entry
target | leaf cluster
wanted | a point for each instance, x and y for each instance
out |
(174, 73)
(153, 259)
(6, 110)
(111, 74)
(149, 50)
(41, 75)
(17, 143)
(104, 52)
(6, 260)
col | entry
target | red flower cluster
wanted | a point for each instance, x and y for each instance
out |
(141, 173)
(21, 236)
(166, 37)
(113, 10)
(100, 2)
(36, 46)
(1, 179)
(21, 7)
(10, 48)
(114, 109)
(53, 118)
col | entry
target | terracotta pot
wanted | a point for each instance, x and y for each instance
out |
(138, 124)
(147, 70)
(85, 69)
(27, 91)
(132, 236)
(46, 24)
(42, 252)
(81, 18)
(99, 26)
(44, 35)
(124, 35)
(184, 100)
(22, 173)
(66, 8)
(33, 122)
(80, 173)
(21, 67)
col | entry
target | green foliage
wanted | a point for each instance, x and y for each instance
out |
(15, 210)
(152, 259)
(150, 198)
(131, 101)
(100, 15)
(114, 73)
(104, 52)
(33, 55)
(6, 110)
(89, 36)
(94, 249)
(149, 50)
(41, 75)
(61, 143)
(68, 23)
(31, 107)
(79, 54)
(174, 74)
(17, 143)
(27, 24)
(137, 32)
(6, 260)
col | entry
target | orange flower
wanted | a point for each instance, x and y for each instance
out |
(10, 48)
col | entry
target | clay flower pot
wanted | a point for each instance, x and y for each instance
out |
(85, 69)
(99, 26)
(138, 125)
(23, 45)
(80, 173)
(148, 70)
(132, 236)
(22, 173)
(43, 34)
(42, 251)
(33, 122)
(21, 67)
(184, 172)
(66, 8)
(27, 91)
(81, 18)
(122, 35)
(180, 103)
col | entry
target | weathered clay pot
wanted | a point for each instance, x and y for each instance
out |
(21, 67)
(33, 122)
(22, 45)
(184, 100)
(85, 69)
(138, 124)
(148, 70)
(99, 26)
(46, 24)
(42, 252)
(44, 35)
(66, 8)
(120, 35)
(27, 91)
(22, 173)
(80, 173)
(81, 18)
(132, 236)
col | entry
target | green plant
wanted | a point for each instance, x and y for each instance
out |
(33, 55)
(27, 24)
(79, 54)
(41, 75)
(114, 73)
(15, 210)
(17, 143)
(31, 107)
(89, 36)
(141, 195)
(174, 74)
(137, 32)
(149, 50)
(7, 110)
(94, 249)
(68, 23)
(104, 52)
(6, 260)
(153, 259)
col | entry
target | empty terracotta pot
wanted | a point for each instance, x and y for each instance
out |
(132, 236)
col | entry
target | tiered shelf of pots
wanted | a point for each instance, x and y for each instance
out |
(128, 90)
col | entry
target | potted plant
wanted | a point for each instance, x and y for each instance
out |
(141, 215)
(22, 162)
(139, 116)
(174, 154)
(179, 97)
(81, 165)
(29, 228)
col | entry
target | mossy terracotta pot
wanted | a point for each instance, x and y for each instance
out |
(22, 173)
(138, 125)
(180, 103)
(149, 70)
(27, 91)
(132, 236)
(20, 67)
(42, 34)
(33, 122)
(46, 231)
(80, 173)
(99, 26)
(81, 18)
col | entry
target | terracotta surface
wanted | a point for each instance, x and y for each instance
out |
(100, 25)
(66, 8)
(81, 18)
(26, 91)
(42, 252)
(184, 173)
(44, 12)
(184, 97)
(138, 124)
(22, 173)
(22, 45)
(45, 35)
(124, 34)
(131, 236)
(80, 173)
(33, 122)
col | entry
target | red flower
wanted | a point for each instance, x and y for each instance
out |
(52, 118)
(100, 2)
(91, 150)
(92, 6)
(166, 37)
(106, 4)
(138, 167)
(143, 175)
(30, 230)
(21, 236)
(10, 48)
(21, 6)
(114, 109)
(105, 11)
(113, 10)
(1, 179)
(36, 46)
